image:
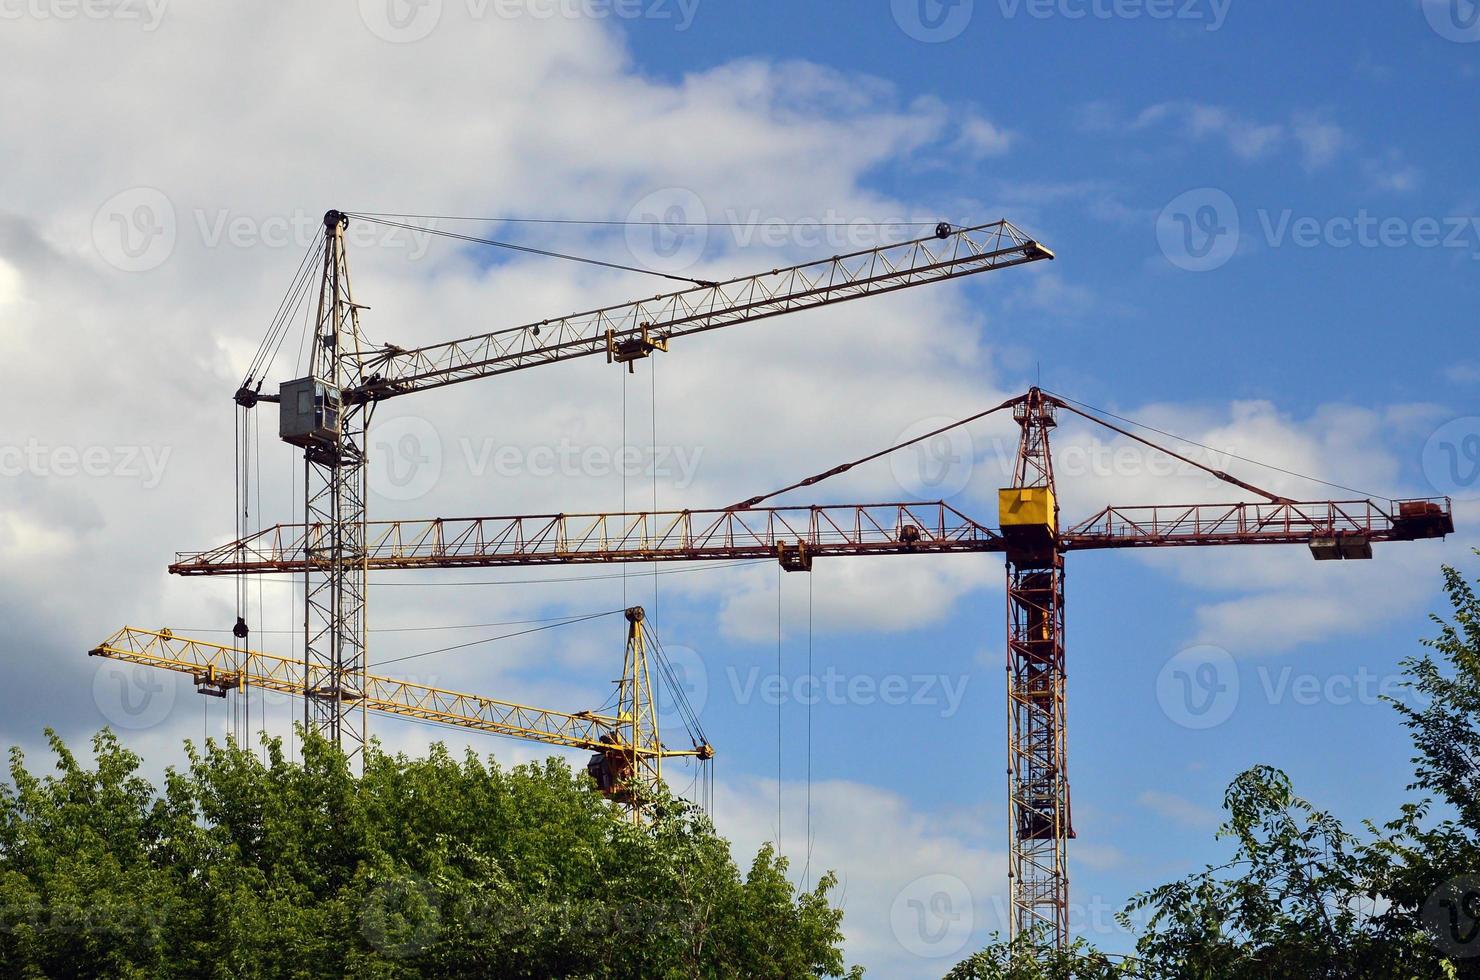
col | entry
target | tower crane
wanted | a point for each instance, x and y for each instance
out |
(628, 752)
(1029, 534)
(327, 412)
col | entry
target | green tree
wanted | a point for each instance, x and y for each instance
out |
(430, 867)
(1025, 958)
(1433, 877)
(1301, 897)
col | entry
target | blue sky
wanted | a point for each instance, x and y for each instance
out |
(1265, 222)
(1324, 111)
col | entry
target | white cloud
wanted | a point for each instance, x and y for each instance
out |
(888, 594)
(981, 138)
(1263, 600)
(1053, 294)
(1392, 172)
(881, 847)
(1462, 372)
(516, 116)
(1320, 140)
(1247, 138)
(1179, 809)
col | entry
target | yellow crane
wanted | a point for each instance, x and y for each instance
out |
(627, 763)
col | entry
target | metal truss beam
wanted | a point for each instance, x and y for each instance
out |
(650, 323)
(218, 669)
(687, 535)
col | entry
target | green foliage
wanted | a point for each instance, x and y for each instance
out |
(1299, 899)
(1026, 959)
(1433, 865)
(430, 867)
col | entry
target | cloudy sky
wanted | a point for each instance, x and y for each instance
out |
(1265, 223)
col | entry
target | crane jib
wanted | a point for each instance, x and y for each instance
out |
(391, 371)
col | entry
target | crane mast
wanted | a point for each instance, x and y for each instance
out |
(315, 415)
(327, 413)
(1030, 536)
(1037, 772)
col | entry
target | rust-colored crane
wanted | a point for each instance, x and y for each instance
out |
(327, 412)
(1029, 534)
